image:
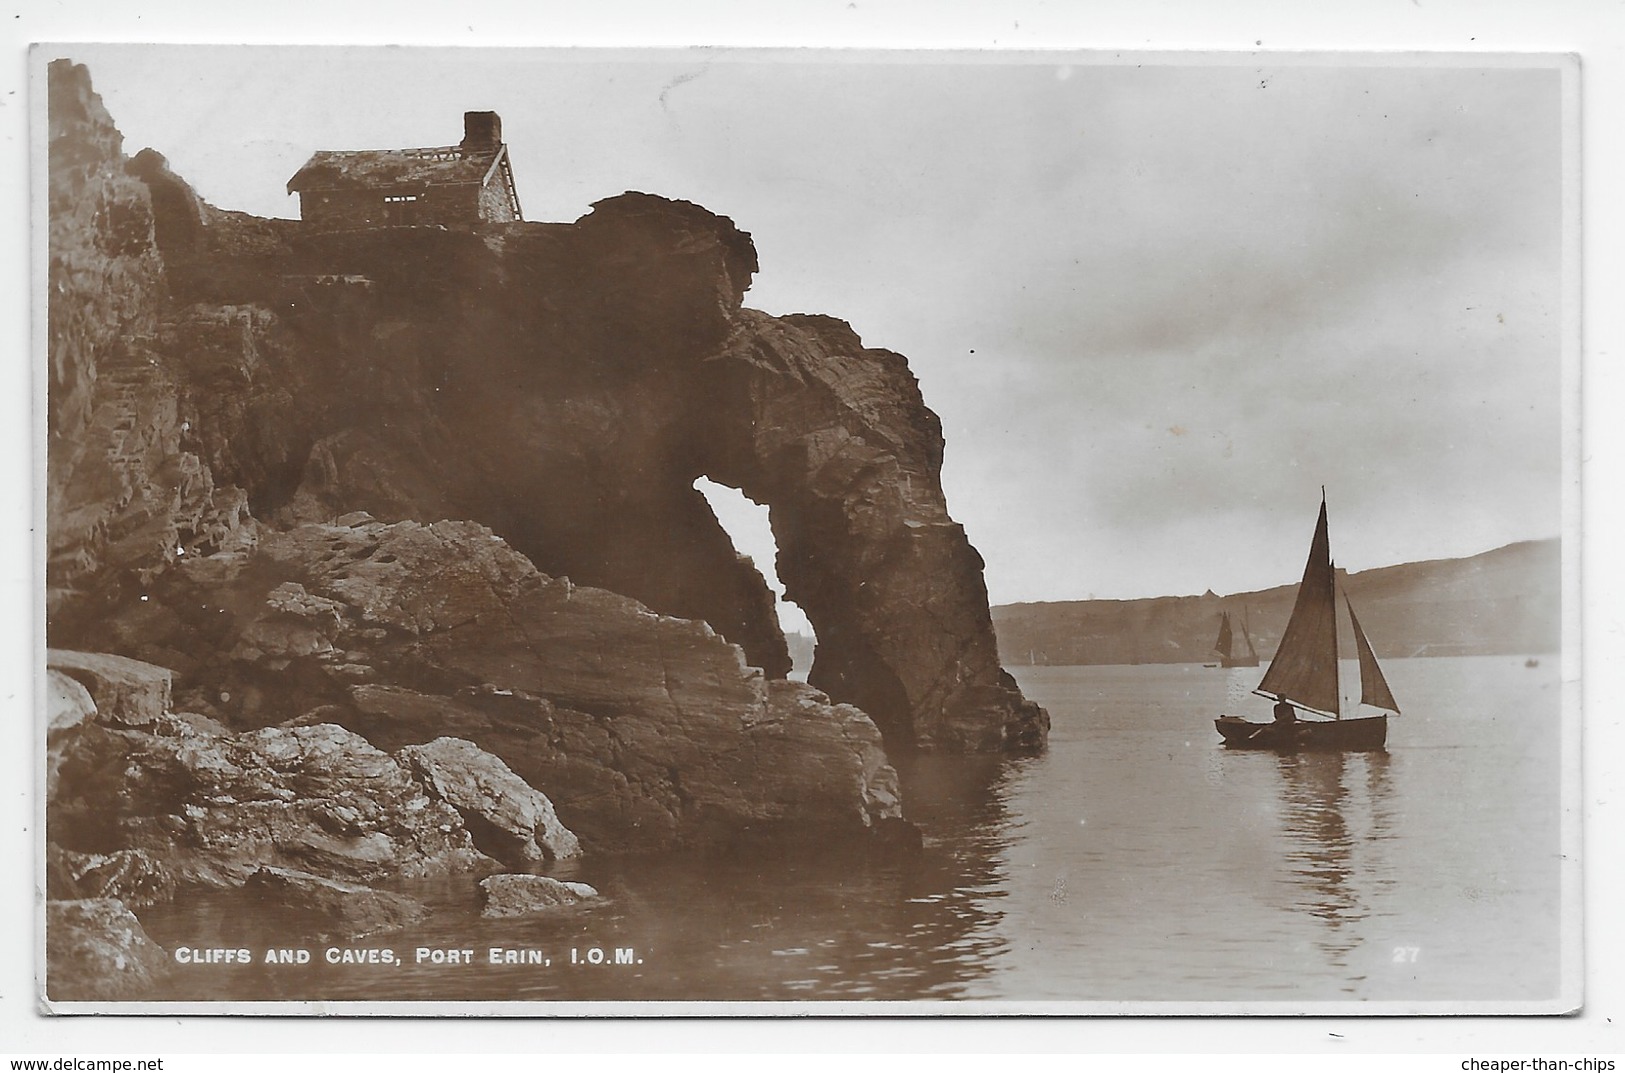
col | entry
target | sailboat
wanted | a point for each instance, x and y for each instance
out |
(1226, 644)
(1303, 674)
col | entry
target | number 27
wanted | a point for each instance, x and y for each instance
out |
(1404, 954)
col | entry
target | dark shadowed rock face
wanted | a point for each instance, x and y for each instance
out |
(843, 448)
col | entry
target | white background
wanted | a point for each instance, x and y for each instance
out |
(1592, 28)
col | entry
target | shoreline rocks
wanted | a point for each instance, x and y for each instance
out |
(507, 818)
(213, 808)
(644, 731)
(97, 950)
(140, 799)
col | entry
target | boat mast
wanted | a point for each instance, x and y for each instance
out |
(1336, 652)
(1337, 672)
(1337, 678)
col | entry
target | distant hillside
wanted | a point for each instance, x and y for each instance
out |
(1502, 602)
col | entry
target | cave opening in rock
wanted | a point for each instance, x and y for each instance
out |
(747, 525)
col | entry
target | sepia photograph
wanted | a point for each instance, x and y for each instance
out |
(657, 531)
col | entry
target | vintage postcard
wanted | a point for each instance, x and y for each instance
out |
(735, 532)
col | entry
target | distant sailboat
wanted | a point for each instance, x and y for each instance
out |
(1226, 644)
(1303, 674)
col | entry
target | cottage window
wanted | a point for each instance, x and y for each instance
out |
(400, 208)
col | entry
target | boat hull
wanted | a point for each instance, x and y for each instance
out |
(1341, 735)
(1240, 661)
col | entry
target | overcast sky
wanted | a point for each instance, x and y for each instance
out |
(1156, 304)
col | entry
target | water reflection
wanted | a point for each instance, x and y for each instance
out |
(1335, 814)
(951, 891)
(1201, 874)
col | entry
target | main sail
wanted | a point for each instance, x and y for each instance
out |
(1304, 669)
(1222, 645)
(1373, 686)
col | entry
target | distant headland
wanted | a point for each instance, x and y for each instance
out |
(1500, 602)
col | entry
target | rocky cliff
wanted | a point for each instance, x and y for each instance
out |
(419, 482)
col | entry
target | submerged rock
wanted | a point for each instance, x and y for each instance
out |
(508, 818)
(345, 910)
(512, 896)
(97, 950)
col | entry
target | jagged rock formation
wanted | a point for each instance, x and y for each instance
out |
(125, 490)
(255, 434)
(841, 445)
(210, 809)
(311, 386)
(563, 385)
(142, 804)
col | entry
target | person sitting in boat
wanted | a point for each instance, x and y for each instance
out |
(1284, 711)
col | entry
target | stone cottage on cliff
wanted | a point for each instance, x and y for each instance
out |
(451, 185)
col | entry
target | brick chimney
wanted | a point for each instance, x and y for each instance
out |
(481, 130)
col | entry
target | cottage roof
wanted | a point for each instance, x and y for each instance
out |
(373, 168)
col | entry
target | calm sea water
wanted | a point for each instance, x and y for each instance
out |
(1135, 860)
